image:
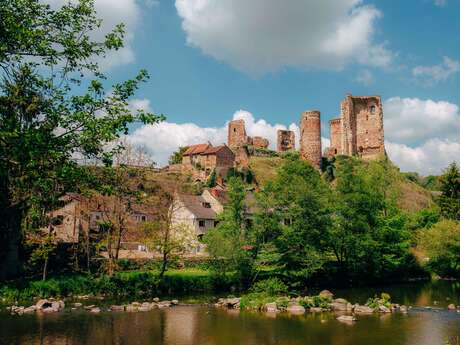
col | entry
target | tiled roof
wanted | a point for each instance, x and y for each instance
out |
(213, 149)
(194, 203)
(196, 149)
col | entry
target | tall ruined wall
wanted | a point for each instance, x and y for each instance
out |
(335, 129)
(310, 137)
(260, 142)
(362, 126)
(285, 140)
(237, 133)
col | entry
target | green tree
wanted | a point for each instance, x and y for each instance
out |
(295, 216)
(176, 157)
(369, 235)
(450, 187)
(442, 246)
(53, 109)
(212, 179)
(231, 244)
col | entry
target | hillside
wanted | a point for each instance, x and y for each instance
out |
(412, 198)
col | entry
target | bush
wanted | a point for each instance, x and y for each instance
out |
(271, 287)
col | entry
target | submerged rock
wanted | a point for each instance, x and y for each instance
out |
(363, 309)
(295, 309)
(340, 304)
(346, 318)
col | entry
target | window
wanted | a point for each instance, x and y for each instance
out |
(201, 223)
(216, 222)
(206, 205)
(234, 129)
(58, 220)
(372, 109)
(143, 218)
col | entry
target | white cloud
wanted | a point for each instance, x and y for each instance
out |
(412, 120)
(163, 139)
(112, 13)
(140, 104)
(429, 158)
(437, 73)
(365, 77)
(260, 36)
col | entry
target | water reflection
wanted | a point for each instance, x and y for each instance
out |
(208, 326)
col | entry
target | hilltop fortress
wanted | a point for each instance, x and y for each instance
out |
(358, 131)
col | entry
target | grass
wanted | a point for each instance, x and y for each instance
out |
(123, 284)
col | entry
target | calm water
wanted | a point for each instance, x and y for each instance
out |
(199, 325)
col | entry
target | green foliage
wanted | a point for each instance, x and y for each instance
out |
(271, 287)
(212, 179)
(231, 244)
(375, 302)
(54, 106)
(450, 187)
(176, 157)
(294, 216)
(442, 246)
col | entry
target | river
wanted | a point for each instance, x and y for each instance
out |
(200, 325)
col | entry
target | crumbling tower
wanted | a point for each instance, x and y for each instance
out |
(237, 134)
(286, 140)
(310, 137)
(359, 130)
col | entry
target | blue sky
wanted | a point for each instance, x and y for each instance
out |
(272, 59)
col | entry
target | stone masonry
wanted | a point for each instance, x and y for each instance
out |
(310, 137)
(237, 134)
(260, 142)
(285, 140)
(359, 130)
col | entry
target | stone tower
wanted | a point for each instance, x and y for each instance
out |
(359, 130)
(237, 133)
(310, 137)
(286, 140)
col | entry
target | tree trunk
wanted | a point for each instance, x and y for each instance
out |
(45, 268)
(164, 264)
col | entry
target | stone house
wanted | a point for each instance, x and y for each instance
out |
(204, 158)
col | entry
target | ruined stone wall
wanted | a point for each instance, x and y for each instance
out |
(361, 127)
(335, 128)
(225, 158)
(285, 140)
(310, 137)
(369, 126)
(237, 133)
(260, 142)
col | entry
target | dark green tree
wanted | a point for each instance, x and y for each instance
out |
(450, 187)
(53, 110)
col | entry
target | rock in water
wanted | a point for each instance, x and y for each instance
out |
(451, 306)
(326, 294)
(363, 309)
(271, 308)
(346, 318)
(296, 309)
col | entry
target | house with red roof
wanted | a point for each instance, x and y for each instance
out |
(206, 158)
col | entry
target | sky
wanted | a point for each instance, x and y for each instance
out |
(266, 61)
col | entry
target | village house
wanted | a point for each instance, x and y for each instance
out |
(203, 159)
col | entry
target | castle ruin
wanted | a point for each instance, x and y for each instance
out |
(285, 140)
(359, 130)
(237, 134)
(310, 137)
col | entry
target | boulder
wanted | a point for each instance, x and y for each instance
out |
(326, 294)
(30, 310)
(43, 304)
(95, 310)
(131, 308)
(136, 304)
(117, 308)
(340, 304)
(363, 309)
(164, 304)
(271, 308)
(174, 302)
(89, 307)
(451, 306)
(383, 309)
(295, 309)
(78, 305)
(156, 299)
(316, 310)
(346, 318)
(403, 309)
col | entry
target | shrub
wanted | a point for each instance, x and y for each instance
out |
(271, 287)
